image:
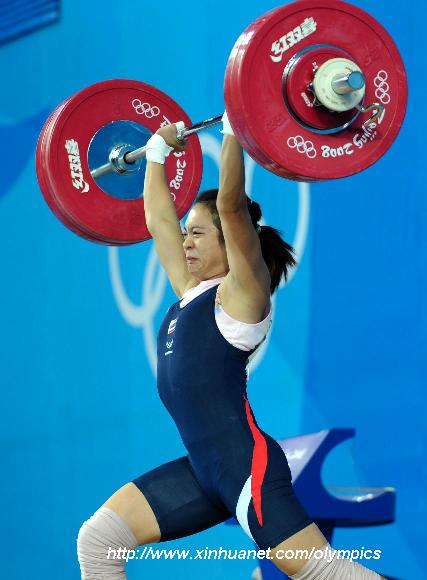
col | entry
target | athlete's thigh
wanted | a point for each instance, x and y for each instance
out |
(262, 496)
(131, 505)
(180, 505)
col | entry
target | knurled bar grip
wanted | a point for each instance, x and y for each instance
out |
(139, 153)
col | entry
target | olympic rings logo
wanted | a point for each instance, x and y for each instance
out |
(145, 109)
(382, 91)
(302, 146)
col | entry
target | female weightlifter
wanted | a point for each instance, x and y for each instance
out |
(223, 268)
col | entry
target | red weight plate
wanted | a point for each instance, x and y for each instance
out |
(41, 169)
(238, 120)
(254, 99)
(52, 202)
(241, 130)
(105, 218)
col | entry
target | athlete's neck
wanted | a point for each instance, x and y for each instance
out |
(213, 277)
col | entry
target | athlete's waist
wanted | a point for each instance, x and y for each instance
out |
(219, 439)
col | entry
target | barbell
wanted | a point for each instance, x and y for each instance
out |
(313, 90)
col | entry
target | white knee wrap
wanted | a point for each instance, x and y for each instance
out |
(330, 567)
(98, 542)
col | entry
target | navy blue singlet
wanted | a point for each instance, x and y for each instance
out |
(232, 466)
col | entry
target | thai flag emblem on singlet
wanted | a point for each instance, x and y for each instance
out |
(172, 325)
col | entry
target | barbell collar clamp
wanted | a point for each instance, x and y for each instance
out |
(379, 110)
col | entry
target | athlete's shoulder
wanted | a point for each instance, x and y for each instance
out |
(248, 307)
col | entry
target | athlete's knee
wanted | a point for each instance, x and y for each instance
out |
(104, 544)
(327, 564)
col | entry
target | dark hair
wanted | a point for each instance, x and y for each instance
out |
(277, 254)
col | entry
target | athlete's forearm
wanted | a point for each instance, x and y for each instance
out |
(158, 202)
(231, 194)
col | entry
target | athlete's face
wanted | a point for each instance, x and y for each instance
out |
(206, 256)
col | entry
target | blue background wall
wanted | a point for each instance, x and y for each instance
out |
(80, 415)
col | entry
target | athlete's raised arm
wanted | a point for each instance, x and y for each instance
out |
(160, 213)
(247, 267)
